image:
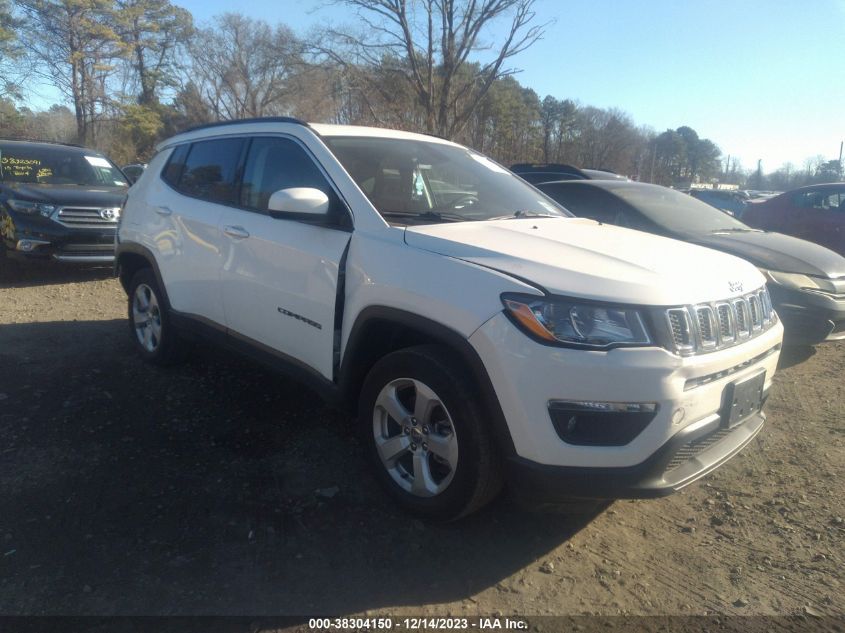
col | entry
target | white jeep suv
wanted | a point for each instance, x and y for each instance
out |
(480, 332)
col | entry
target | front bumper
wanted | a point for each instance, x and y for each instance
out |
(689, 455)
(28, 237)
(689, 393)
(808, 317)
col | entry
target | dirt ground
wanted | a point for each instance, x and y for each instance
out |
(218, 487)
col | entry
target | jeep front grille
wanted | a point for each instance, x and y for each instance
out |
(88, 216)
(710, 326)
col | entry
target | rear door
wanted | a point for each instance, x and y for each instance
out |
(199, 179)
(280, 276)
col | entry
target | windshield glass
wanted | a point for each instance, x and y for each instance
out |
(418, 181)
(676, 211)
(44, 165)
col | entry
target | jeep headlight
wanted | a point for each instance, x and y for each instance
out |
(798, 281)
(32, 208)
(576, 323)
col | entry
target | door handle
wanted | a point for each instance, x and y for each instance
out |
(237, 232)
(164, 210)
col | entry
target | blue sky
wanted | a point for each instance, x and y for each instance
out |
(763, 79)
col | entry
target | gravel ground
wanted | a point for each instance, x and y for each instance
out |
(218, 487)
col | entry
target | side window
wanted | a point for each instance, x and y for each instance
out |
(173, 169)
(275, 163)
(816, 200)
(836, 201)
(210, 170)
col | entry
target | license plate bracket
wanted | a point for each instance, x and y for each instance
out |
(742, 399)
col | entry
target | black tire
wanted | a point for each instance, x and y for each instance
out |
(476, 477)
(168, 348)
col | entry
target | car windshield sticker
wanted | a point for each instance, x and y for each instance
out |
(19, 167)
(97, 161)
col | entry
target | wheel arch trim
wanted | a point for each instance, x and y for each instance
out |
(351, 375)
(131, 248)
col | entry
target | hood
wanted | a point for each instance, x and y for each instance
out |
(66, 195)
(776, 251)
(581, 258)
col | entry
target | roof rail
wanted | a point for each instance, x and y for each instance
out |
(266, 119)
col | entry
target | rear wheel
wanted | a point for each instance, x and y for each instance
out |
(425, 433)
(152, 333)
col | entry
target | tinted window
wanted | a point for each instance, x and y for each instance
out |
(279, 163)
(591, 202)
(673, 210)
(822, 200)
(584, 202)
(57, 165)
(210, 170)
(173, 169)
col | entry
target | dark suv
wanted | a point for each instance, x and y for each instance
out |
(58, 202)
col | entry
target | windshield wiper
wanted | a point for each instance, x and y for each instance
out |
(736, 229)
(438, 216)
(525, 214)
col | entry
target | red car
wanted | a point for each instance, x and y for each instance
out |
(815, 213)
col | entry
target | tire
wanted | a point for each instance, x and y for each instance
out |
(439, 461)
(153, 335)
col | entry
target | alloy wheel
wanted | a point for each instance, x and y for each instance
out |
(415, 437)
(146, 317)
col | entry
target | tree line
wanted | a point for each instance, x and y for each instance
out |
(131, 72)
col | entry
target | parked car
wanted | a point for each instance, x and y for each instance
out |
(481, 337)
(133, 171)
(815, 213)
(805, 280)
(544, 172)
(731, 202)
(58, 202)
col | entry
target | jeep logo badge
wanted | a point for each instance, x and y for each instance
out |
(735, 286)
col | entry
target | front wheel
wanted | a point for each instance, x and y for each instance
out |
(426, 435)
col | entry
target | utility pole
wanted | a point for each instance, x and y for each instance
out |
(653, 157)
(841, 166)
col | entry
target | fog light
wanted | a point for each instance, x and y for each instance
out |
(27, 246)
(600, 423)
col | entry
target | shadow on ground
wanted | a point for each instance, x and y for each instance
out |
(215, 487)
(792, 355)
(15, 274)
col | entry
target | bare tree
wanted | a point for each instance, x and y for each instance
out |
(242, 66)
(12, 71)
(75, 46)
(153, 31)
(433, 41)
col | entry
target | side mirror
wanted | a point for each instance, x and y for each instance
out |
(303, 201)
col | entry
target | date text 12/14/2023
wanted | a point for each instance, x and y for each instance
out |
(416, 624)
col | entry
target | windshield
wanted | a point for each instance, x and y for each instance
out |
(676, 211)
(418, 181)
(45, 165)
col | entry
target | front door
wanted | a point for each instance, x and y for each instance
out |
(279, 277)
